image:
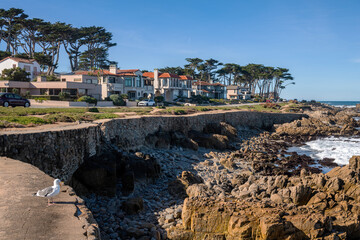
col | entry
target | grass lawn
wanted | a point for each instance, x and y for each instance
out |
(20, 117)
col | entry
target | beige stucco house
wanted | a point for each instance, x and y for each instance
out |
(238, 92)
(168, 85)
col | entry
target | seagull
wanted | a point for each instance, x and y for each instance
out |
(50, 192)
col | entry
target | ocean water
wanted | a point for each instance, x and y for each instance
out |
(339, 148)
(342, 103)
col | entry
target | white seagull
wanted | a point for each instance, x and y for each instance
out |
(50, 192)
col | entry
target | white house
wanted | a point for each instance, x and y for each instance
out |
(29, 65)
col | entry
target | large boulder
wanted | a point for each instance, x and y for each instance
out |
(300, 194)
(179, 139)
(179, 186)
(97, 174)
(133, 205)
(354, 163)
(221, 128)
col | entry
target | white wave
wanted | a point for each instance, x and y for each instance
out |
(345, 106)
(341, 149)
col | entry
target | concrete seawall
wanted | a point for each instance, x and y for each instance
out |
(59, 152)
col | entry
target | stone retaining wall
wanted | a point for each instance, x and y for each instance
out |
(60, 152)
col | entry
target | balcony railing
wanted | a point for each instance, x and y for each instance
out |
(115, 87)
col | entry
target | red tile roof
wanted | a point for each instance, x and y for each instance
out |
(218, 84)
(168, 75)
(202, 83)
(23, 60)
(184, 77)
(205, 91)
(127, 74)
(127, 70)
(148, 74)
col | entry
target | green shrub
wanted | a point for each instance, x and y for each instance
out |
(15, 74)
(217, 101)
(40, 99)
(87, 99)
(159, 99)
(63, 95)
(27, 94)
(199, 99)
(25, 120)
(124, 96)
(117, 100)
(203, 109)
(53, 118)
(93, 109)
(178, 111)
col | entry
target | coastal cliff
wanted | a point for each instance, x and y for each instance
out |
(60, 152)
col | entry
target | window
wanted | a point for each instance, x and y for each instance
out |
(63, 79)
(14, 65)
(27, 68)
(88, 80)
(43, 91)
(138, 81)
(111, 79)
(77, 79)
(35, 69)
(128, 82)
(95, 81)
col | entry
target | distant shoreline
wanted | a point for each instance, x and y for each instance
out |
(341, 103)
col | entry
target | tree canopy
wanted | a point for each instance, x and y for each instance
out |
(15, 74)
(86, 47)
(261, 80)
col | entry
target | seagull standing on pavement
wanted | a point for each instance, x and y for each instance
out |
(50, 192)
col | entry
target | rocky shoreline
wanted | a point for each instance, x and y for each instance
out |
(228, 183)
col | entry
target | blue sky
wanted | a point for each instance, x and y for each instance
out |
(318, 40)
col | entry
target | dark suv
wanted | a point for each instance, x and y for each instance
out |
(13, 100)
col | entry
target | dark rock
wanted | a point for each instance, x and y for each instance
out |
(179, 139)
(133, 205)
(128, 182)
(97, 174)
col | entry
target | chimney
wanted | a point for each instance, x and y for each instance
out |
(41, 78)
(113, 68)
(156, 78)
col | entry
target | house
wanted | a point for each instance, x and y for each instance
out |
(29, 65)
(134, 85)
(237, 92)
(185, 86)
(110, 82)
(115, 81)
(52, 88)
(169, 85)
(210, 90)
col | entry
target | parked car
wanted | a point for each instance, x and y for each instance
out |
(13, 100)
(147, 102)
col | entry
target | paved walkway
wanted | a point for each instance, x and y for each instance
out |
(23, 216)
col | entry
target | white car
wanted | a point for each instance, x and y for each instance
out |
(147, 102)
